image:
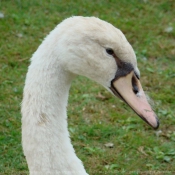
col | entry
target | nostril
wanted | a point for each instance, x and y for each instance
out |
(135, 89)
(134, 85)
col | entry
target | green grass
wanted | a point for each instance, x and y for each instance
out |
(94, 121)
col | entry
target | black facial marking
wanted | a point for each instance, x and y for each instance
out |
(124, 68)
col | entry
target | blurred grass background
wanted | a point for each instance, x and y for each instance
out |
(95, 117)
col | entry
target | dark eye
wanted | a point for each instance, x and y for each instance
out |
(109, 51)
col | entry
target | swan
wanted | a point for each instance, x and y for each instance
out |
(84, 46)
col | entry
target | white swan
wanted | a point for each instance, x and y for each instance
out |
(79, 45)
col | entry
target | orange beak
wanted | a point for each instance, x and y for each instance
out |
(129, 89)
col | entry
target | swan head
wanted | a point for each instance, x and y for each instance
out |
(99, 51)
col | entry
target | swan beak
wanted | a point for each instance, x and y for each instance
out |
(129, 89)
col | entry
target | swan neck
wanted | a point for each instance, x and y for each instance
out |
(45, 135)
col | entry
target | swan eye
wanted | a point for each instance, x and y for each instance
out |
(109, 51)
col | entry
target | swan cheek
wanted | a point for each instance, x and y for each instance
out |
(129, 89)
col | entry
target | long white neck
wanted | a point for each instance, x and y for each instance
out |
(45, 136)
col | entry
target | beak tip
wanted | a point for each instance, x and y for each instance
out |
(154, 123)
(157, 122)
